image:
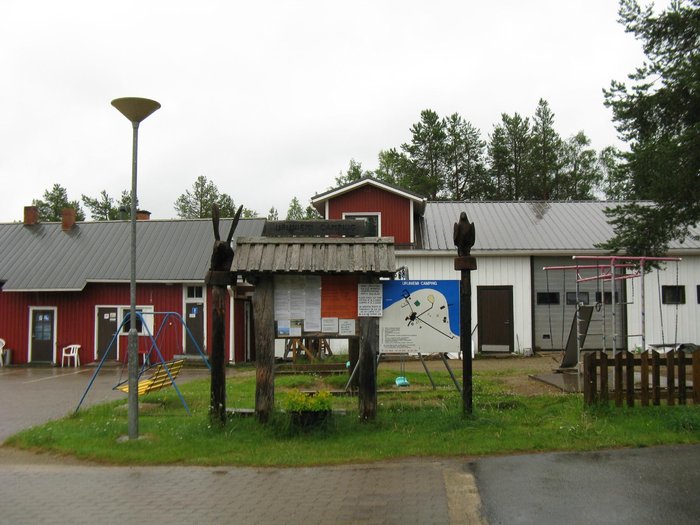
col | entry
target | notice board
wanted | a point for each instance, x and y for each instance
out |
(419, 317)
(315, 306)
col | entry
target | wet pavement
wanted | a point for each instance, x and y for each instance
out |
(628, 486)
(635, 486)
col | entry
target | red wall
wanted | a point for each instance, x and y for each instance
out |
(395, 210)
(75, 317)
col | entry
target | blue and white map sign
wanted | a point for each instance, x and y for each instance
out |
(419, 317)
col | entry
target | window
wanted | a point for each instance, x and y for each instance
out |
(698, 291)
(373, 220)
(147, 319)
(42, 327)
(194, 292)
(673, 294)
(547, 297)
(608, 297)
(571, 298)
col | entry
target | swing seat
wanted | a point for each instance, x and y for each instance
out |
(158, 377)
(402, 381)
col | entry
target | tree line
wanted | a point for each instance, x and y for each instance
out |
(194, 203)
(523, 158)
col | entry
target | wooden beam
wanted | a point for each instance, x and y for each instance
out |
(367, 380)
(263, 307)
(629, 379)
(670, 378)
(645, 379)
(217, 406)
(604, 396)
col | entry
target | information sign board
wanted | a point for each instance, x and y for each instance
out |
(419, 317)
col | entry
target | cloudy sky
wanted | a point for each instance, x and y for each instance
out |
(271, 99)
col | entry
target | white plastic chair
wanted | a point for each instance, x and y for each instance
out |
(71, 351)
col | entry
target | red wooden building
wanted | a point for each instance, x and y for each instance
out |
(68, 283)
(392, 211)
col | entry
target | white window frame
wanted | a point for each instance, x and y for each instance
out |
(147, 319)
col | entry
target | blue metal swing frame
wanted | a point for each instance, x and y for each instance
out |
(154, 346)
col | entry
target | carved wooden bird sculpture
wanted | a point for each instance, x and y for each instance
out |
(222, 253)
(464, 235)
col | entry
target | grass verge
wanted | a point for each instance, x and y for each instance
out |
(409, 423)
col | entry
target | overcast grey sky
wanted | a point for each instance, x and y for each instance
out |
(271, 99)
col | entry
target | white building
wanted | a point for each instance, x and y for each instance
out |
(516, 305)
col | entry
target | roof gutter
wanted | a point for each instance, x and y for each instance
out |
(526, 253)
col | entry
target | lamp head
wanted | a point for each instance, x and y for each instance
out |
(134, 108)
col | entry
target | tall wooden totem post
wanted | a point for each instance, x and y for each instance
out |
(464, 236)
(367, 380)
(219, 278)
(263, 319)
(367, 362)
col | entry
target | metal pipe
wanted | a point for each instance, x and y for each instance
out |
(133, 347)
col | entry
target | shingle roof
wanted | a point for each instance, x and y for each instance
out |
(530, 227)
(370, 255)
(43, 257)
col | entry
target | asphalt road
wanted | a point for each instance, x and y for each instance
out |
(628, 486)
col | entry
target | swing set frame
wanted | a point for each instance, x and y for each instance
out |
(147, 357)
(607, 269)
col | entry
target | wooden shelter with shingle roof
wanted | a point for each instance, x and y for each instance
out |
(340, 267)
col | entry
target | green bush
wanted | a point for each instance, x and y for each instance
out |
(300, 402)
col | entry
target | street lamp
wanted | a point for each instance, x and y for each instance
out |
(136, 110)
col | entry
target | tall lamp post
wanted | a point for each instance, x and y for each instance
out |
(136, 110)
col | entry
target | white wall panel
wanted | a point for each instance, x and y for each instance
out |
(666, 323)
(491, 271)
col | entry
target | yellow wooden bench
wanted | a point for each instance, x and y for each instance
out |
(158, 378)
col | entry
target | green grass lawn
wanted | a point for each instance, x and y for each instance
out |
(424, 423)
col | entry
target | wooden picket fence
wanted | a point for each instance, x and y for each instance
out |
(639, 376)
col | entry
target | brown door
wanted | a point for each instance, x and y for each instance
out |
(195, 325)
(42, 335)
(106, 328)
(495, 317)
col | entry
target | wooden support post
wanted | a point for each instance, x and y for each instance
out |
(644, 395)
(670, 378)
(353, 356)
(682, 396)
(696, 377)
(655, 378)
(604, 396)
(589, 372)
(217, 406)
(263, 307)
(219, 278)
(629, 381)
(618, 379)
(367, 381)
(465, 265)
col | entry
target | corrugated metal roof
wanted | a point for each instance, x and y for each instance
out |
(43, 257)
(534, 226)
(370, 255)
